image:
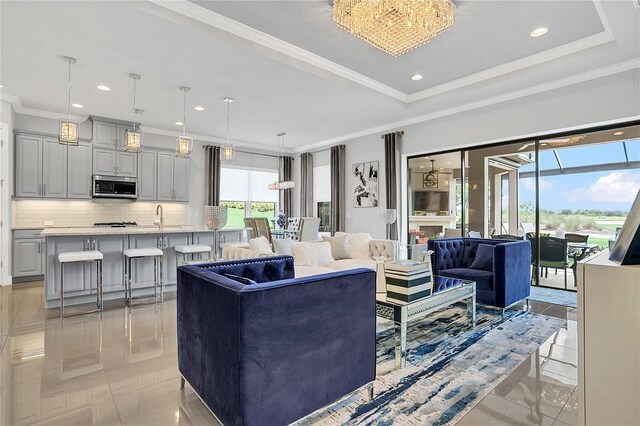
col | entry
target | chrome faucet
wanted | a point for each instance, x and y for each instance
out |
(161, 213)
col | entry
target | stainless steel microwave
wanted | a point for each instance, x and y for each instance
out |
(114, 187)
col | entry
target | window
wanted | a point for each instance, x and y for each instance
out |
(322, 196)
(245, 193)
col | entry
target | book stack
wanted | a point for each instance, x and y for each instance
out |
(408, 280)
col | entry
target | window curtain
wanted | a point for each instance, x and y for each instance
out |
(391, 154)
(212, 176)
(286, 201)
(306, 185)
(338, 194)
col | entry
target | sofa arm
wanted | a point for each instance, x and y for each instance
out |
(386, 248)
(512, 272)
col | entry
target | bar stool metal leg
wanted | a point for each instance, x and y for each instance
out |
(100, 286)
(62, 290)
(161, 281)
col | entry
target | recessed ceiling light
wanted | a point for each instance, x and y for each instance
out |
(199, 108)
(77, 105)
(1, 86)
(618, 133)
(178, 123)
(538, 32)
(103, 88)
(416, 77)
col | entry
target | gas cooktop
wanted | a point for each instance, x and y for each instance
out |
(114, 224)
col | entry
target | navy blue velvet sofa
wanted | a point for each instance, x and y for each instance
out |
(506, 281)
(273, 351)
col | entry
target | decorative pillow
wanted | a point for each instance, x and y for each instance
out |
(358, 245)
(241, 280)
(260, 244)
(311, 254)
(339, 245)
(484, 258)
(282, 247)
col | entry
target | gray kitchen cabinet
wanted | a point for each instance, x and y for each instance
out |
(28, 170)
(27, 257)
(78, 279)
(173, 177)
(104, 134)
(120, 129)
(54, 169)
(181, 179)
(104, 162)
(114, 163)
(169, 266)
(126, 164)
(165, 176)
(79, 172)
(147, 175)
(111, 247)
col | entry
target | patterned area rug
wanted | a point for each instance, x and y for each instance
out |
(450, 368)
(557, 297)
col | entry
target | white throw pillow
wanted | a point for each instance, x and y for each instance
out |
(311, 254)
(339, 246)
(282, 247)
(260, 244)
(358, 245)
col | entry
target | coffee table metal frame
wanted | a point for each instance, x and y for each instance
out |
(401, 313)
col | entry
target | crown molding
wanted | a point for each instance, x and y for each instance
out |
(533, 90)
(223, 23)
(191, 10)
(20, 109)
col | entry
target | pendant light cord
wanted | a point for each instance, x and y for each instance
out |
(69, 92)
(184, 115)
(134, 104)
(228, 112)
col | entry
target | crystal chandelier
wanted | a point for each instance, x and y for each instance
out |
(394, 26)
(184, 145)
(133, 136)
(68, 128)
(228, 150)
(281, 184)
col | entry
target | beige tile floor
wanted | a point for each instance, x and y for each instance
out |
(122, 369)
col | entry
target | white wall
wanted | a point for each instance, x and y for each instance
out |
(607, 99)
(7, 118)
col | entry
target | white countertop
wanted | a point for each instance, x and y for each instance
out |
(130, 230)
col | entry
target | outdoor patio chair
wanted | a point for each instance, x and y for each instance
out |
(554, 253)
(576, 238)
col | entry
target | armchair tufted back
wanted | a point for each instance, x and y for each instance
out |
(450, 253)
(386, 248)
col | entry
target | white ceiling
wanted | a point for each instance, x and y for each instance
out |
(288, 66)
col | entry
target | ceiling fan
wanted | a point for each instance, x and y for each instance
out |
(555, 142)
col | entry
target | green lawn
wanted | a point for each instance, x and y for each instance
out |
(235, 217)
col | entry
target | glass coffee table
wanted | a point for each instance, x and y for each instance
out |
(403, 312)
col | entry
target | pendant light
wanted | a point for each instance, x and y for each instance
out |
(281, 184)
(228, 150)
(133, 136)
(68, 128)
(184, 145)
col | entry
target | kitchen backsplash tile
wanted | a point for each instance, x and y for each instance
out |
(34, 213)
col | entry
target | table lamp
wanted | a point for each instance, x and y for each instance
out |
(215, 217)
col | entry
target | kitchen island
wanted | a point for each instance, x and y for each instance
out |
(80, 278)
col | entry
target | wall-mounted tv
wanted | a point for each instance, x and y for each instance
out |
(626, 249)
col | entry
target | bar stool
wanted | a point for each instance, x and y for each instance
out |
(139, 253)
(192, 250)
(76, 257)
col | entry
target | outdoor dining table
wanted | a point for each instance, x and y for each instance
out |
(582, 250)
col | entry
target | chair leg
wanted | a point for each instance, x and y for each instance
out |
(161, 281)
(62, 290)
(182, 382)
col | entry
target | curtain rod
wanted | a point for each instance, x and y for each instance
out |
(250, 152)
(399, 133)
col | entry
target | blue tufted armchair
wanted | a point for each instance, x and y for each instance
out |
(504, 283)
